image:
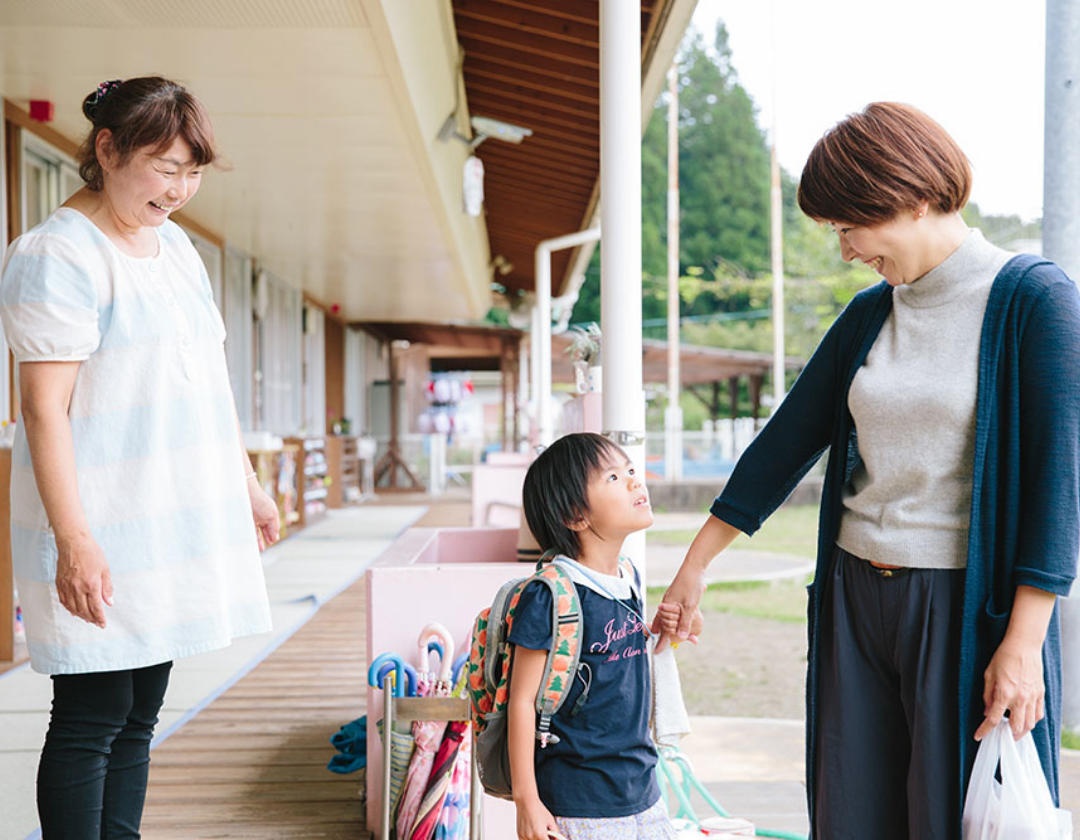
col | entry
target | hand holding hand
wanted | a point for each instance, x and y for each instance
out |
(83, 583)
(1014, 681)
(265, 513)
(665, 624)
(683, 595)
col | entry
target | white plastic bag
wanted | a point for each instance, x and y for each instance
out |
(1019, 807)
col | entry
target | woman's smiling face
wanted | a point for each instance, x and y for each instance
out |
(890, 248)
(151, 184)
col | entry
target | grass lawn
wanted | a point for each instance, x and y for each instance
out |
(791, 530)
(1070, 740)
(781, 600)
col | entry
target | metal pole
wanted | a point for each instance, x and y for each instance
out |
(388, 724)
(620, 249)
(534, 374)
(1061, 243)
(673, 421)
(542, 354)
(523, 399)
(776, 200)
(543, 349)
(777, 279)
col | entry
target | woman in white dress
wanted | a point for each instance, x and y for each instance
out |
(136, 517)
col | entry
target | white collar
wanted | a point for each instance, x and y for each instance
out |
(616, 585)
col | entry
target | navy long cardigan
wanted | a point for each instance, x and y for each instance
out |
(1025, 508)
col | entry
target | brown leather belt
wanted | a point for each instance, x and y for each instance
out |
(885, 570)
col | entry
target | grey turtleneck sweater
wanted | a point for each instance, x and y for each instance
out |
(913, 402)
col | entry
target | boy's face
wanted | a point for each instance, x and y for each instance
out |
(617, 498)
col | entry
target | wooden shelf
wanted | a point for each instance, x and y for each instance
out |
(343, 462)
(276, 471)
(312, 473)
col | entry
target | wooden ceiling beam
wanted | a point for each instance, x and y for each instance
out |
(574, 10)
(537, 194)
(525, 20)
(528, 228)
(536, 119)
(477, 84)
(510, 56)
(552, 174)
(503, 175)
(526, 42)
(524, 81)
(515, 191)
(577, 187)
(529, 157)
(559, 146)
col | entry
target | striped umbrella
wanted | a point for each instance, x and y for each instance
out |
(402, 744)
(428, 734)
(454, 818)
(427, 816)
(453, 822)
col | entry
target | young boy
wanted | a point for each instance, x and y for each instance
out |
(582, 498)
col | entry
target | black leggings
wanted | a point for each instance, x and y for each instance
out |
(92, 777)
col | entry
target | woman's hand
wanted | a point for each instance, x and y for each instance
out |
(1014, 681)
(678, 617)
(665, 624)
(534, 821)
(83, 582)
(265, 513)
(1014, 677)
(685, 591)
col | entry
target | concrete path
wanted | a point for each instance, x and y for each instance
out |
(734, 565)
(754, 768)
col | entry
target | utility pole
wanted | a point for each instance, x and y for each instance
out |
(777, 277)
(620, 248)
(673, 421)
(776, 202)
(1061, 243)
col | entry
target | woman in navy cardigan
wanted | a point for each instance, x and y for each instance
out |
(948, 398)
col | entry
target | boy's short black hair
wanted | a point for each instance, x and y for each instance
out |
(556, 488)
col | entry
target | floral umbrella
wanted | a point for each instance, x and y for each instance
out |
(428, 735)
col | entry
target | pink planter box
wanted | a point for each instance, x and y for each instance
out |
(433, 574)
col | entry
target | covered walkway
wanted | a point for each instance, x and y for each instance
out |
(244, 735)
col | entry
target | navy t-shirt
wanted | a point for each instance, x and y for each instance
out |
(604, 763)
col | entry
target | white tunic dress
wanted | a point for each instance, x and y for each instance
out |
(157, 452)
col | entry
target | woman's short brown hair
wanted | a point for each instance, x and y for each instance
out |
(887, 158)
(145, 112)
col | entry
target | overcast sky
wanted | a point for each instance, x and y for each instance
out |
(976, 66)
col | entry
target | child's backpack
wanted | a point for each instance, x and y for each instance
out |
(489, 670)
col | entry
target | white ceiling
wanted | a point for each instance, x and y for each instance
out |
(323, 187)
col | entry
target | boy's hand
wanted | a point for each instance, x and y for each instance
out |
(534, 821)
(666, 624)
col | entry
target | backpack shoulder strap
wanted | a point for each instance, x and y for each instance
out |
(566, 639)
(501, 615)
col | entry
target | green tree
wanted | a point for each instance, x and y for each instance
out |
(723, 179)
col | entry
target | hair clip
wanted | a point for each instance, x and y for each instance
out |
(103, 90)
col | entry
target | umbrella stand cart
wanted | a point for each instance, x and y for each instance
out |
(411, 709)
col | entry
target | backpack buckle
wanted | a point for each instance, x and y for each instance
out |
(546, 738)
(544, 734)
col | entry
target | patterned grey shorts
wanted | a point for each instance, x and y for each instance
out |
(652, 824)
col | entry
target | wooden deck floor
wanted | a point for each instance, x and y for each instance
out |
(21, 656)
(253, 763)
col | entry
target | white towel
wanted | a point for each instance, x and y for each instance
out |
(670, 721)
